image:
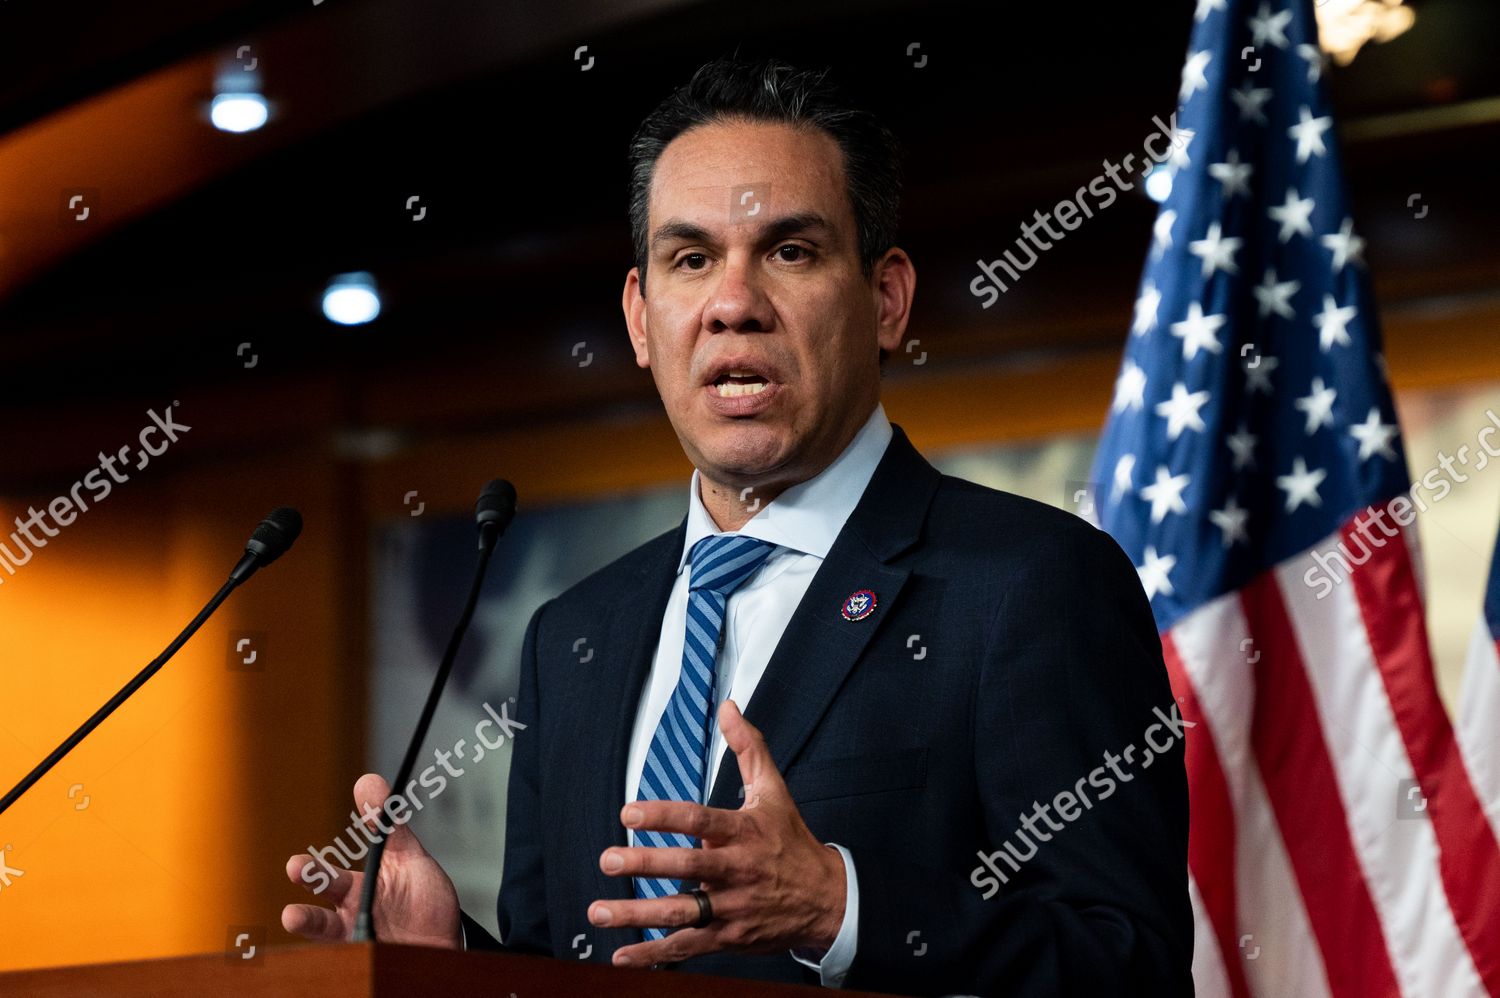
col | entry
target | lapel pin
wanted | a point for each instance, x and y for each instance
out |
(859, 605)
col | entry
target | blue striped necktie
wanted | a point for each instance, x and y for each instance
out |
(678, 758)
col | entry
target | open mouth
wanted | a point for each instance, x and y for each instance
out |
(736, 383)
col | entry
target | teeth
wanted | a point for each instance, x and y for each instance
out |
(731, 390)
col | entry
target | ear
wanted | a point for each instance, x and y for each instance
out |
(634, 305)
(894, 284)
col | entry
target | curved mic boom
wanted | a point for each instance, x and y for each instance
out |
(492, 514)
(270, 541)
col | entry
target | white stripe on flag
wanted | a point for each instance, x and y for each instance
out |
(1399, 858)
(1479, 721)
(1213, 643)
(1210, 980)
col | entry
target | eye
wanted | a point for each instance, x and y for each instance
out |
(701, 258)
(798, 253)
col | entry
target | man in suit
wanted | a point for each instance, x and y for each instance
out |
(958, 765)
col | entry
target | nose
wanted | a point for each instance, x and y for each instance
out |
(737, 302)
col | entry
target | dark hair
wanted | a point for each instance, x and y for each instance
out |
(773, 91)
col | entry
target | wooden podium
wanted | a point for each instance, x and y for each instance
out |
(384, 970)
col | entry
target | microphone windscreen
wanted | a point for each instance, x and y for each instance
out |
(275, 534)
(497, 504)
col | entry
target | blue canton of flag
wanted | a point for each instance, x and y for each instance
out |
(1251, 416)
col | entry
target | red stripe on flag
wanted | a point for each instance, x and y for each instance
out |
(1468, 857)
(1294, 763)
(1211, 823)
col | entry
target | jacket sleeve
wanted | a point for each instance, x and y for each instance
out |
(1072, 676)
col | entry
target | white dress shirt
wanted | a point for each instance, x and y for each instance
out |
(803, 522)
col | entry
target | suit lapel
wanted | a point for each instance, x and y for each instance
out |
(816, 652)
(819, 646)
(634, 627)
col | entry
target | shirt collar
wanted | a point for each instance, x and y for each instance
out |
(809, 515)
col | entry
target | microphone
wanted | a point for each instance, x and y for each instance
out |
(270, 541)
(495, 509)
(492, 514)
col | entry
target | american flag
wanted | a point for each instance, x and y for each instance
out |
(1337, 843)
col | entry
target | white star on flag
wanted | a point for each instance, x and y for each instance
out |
(1161, 231)
(1374, 437)
(1146, 307)
(1231, 520)
(1197, 330)
(1181, 410)
(1177, 156)
(1216, 250)
(1346, 246)
(1233, 175)
(1130, 388)
(1193, 79)
(1165, 494)
(1124, 469)
(1258, 375)
(1318, 406)
(1268, 27)
(1154, 573)
(1242, 444)
(1206, 7)
(1333, 323)
(1251, 100)
(1314, 57)
(1309, 134)
(1301, 486)
(1295, 215)
(1276, 297)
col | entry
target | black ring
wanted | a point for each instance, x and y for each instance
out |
(705, 907)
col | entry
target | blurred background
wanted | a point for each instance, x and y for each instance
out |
(181, 191)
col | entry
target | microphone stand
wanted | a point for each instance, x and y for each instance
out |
(364, 921)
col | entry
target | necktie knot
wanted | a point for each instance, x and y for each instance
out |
(722, 562)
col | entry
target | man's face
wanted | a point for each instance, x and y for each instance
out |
(758, 326)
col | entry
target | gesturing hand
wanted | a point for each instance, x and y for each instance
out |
(415, 901)
(772, 884)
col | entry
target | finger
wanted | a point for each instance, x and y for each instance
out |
(712, 823)
(668, 912)
(674, 948)
(659, 913)
(370, 791)
(311, 922)
(670, 863)
(757, 768)
(370, 794)
(331, 886)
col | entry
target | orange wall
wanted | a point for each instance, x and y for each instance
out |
(183, 793)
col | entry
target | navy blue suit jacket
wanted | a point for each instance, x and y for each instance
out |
(1035, 654)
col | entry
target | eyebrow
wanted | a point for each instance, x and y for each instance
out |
(802, 223)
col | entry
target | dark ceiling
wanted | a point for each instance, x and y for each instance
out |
(518, 157)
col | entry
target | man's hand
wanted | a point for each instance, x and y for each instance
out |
(772, 884)
(415, 902)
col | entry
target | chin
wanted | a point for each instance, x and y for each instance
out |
(744, 448)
